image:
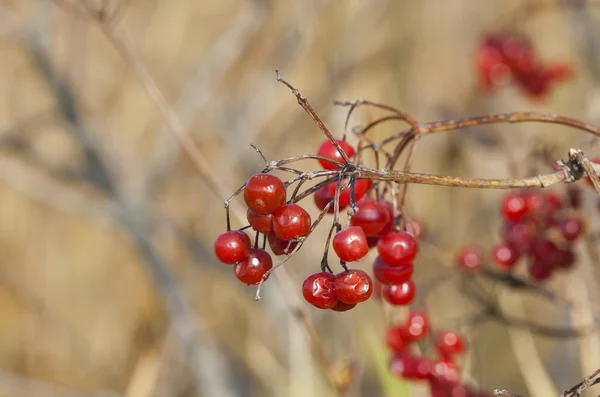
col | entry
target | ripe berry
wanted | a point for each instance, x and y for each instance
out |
(566, 259)
(546, 252)
(410, 367)
(505, 255)
(372, 216)
(538, 270)
(400, 294)
(514, 207)
(449, 343)
(259, 222)
(417, 326)
(318, 290)
(521, 236)
(395, 338)
(290, 221)
(264, 193)
(445, 371)
(388, 274)
(279, 246)
(350, 244)
(353, 286)
(361, 186)
(397, 248)
(469, 259)
(322, 197)
(343, 306)
(416, 228)
(571, 228)
(328, 150)
(232, 246)
(253, 268)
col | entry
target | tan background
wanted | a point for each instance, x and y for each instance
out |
(86, 304)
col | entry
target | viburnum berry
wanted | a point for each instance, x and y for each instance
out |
(449, 343)
(327, 149)
(279, 246)
(538, 270)
(253, 268)
(571, 228)
(264, 193)
(372, 216)
(290, 221)
(350, 244)
(400, 294)
(521, 236)
(259, 222)
(353, 286)
(505, 255)
(417, 326)
(343, 306)
(232, 246)
(566, 259)
(397, 248)
(514, 207)
(318, 290)
(546, 252)
(410, 367)
(388, 274)
(469, 259)
(322, 197)
(445, 370)
(416, 228)
(361, 186)
(395, 338)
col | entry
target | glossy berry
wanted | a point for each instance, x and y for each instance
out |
(343, 306)
(279, 246)
(445, 371)
(353, 286)
(388, 274)
(372, 216)
(290, 221)
(505, 255)
(397, 248)
(253, 268)
(571, 228)
(232, 246)
(322, 197)
(350, 244)
(400, 294)
(264, 193)
(410, 367)
(395, 338)
(514, 207)
(417, 326)
(259, 222)
(469, 259)
(328, 150)
(522, 236)
(449, 343)
(361, 186)
(318, 290)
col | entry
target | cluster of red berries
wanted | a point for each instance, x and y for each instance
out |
(268, 213)
(442, 373)
(541, 227)
(509, 57)
(371, 226)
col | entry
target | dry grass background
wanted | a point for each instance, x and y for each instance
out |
(108, 285)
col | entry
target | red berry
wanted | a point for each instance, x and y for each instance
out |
(521, 236)
(395, 338)
(546, 252)
(400, 294)
(539, 271)
(417, 326)
(264, 193)
(492, 70)
(388, 274)
(410, 367)
(322, 197)
(350, 244)
(469, 259)
(372, 216)
(259, 222)
(518, 54)
(232, 246)
(290, 221)
(445, 371)
(416, 228)
(514, 207)
(449, 343)
(343, 307)
(505, 255)
(327, 149)
(252, 269)
(353, 286)
(560, 71)
(279, 246)
(361, 186)
(318, 290)
(571, 228)
(574, 196)
(397, 248)
(566, 259)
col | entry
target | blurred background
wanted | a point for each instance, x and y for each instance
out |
(108, 282)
